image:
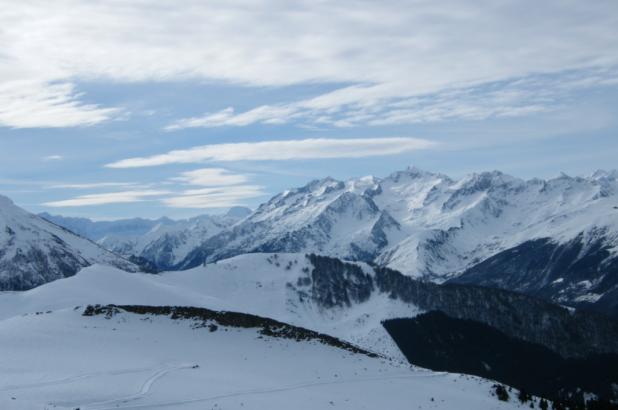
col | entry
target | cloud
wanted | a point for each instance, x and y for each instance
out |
(267, 114)
(314, 148)
(92, 185)
(210, 177)
(218, 188)
(107, 198)
(27, 104)
(215, 197)
(380, 50)
(53, 158)
(377, 105)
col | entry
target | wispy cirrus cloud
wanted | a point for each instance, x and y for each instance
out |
(40, 104)
(107, 198)
(92, 185)
(382, 105)
(219, 197)
(381, 50)
(211, 177)
(266, 114)
(218, 188)
(313, 148)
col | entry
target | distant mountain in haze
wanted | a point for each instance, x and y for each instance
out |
(162, 242)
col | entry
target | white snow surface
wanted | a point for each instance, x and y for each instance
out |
(55, 358)
(260, 284)
(63, 360)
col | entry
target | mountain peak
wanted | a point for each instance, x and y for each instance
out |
(238, 212)
(5, 201)
(412, 172)
(611, 174)
(322, 186)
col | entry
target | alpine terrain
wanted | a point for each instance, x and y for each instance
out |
(556, 239)
(34, 251)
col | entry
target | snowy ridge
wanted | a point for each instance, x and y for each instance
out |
(34, 251)
(424, 224)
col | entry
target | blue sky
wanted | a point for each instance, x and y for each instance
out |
(118, 109)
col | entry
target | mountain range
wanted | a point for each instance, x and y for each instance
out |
(506, 274)
(556, 238)
(161, 243)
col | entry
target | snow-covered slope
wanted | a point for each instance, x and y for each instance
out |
(428, 225)
(34, 251)
(64, 360)
(270, 285)
(163, 243)
(345, 300)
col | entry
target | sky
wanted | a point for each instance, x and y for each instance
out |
(114, 109)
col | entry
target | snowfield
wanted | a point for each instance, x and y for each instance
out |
(63, 360)
(56, 358)
(260, 284)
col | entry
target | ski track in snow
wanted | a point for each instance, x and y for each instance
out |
(70, 379)
(143, 390)
(114, 404)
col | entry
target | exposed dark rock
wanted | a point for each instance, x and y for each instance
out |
(207, 318)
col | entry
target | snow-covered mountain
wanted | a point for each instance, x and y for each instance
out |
(143, 337)
(161, 243)
(433, 227)
(34, 251)
(555, 238)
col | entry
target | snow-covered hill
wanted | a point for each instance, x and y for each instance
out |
(430, 226)
(345, 300)
(64, 360)
(270, 285)
(145, 343)
(162, 243)
(34, 251)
